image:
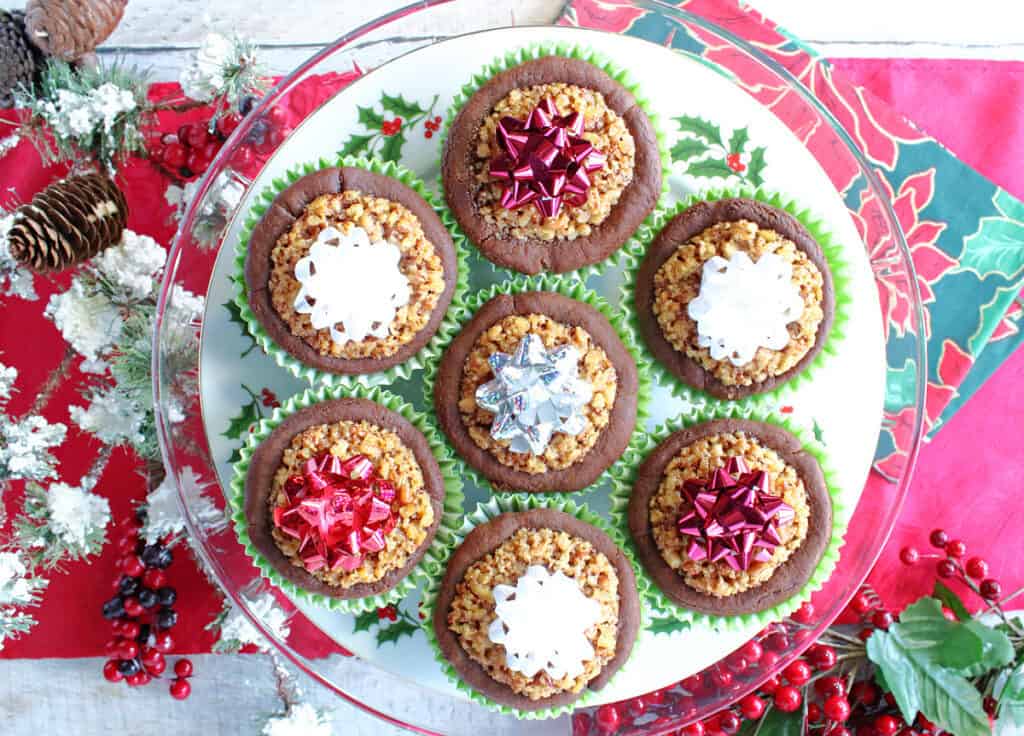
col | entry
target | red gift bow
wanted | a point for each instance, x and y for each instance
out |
(544, 160)
(338, 510)
(734, 517)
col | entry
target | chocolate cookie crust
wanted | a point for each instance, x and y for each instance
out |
(679, 230)
(268, 458)
(789, 577)
(486, 538)
(613, 439)
(289, 206)
(533, 255)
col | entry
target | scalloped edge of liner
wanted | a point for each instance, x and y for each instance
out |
(538, 50)
(838, 266)
(451, 515)
(573, 289)
(485, 512)
(622, 489)
(284, 359)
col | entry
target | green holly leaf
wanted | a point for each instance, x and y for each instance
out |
(370, 118)
(687, 148)
(400, 106)
(395, 631)
(778, 723)
(392, 148)
(709, 167)
(972, 649)
(701, 128)
(948, 598)
(235, 315)
(755, 167)
(356, 144)
(667, 625)
(239, 424)
(236, 455)
(738, 140)
(365, 621)
(906, 656)
(819, 433)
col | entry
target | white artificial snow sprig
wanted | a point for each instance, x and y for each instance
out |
(223, 68)
(163, 515)
(17, 585)
(131, 268)
(301, 719)
(237, 632)
(14, 279)
(25, 446)
(89, 321)
(77, 516)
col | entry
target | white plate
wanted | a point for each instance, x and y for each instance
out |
(845, 400)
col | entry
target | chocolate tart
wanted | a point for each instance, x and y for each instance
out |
(268, 457)
(789, 577)
(291, 205)
(483, 540)
(677, 232)
(533, 255)
(612, 440)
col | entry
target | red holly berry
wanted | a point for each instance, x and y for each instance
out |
(164, 641)
(752, 651)
(990, 589)
(110, 671)
(736, 662)
(391, 127)
(226, 124)
(130, 630)
(813, 713)
(127, 649)
(837, 708)
(777, 641)
(721, 678)
(804, 614)
(580, 724)
(175, 155)
(183, 668)
(977, 568)
(428, 134)
(132, 566)
(437, 118)
(694, 729)
(797, 672)
(769, 660)
(728, 723)
(956, 548)
(886, 725)
(909, 555)
(151, 655)
(861, 603)
(139, 678)
(822, 657)
(881, 619)
(752, 707)
(132, 606)
(788, 699)
(734, 162)
(771, 685)
(865, 634)
(157, 667)
(608, 718)
(945, 568)
(154, 578)
(826, 687)
(180, 689)
(938, 538)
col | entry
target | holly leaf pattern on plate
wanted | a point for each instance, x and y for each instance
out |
(687, 148)
(667, 625)
(392, 148)
(248, 415)
(738, 140)
(755, 167)
(394, 631)
(709, 167)
(701, 128)
(370, 118)
(366, 620)
(235, 315)
(356, 144)
(400, 106)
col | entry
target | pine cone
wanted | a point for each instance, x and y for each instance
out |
(69, 29)
(19, 59)
(67, 223)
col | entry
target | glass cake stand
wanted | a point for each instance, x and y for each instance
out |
(186, 443)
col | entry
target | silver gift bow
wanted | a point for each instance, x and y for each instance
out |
(535, 393)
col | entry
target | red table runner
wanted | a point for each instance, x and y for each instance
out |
(965, 476)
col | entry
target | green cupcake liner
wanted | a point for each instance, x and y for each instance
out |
(451, 516)
(635, 250)
(485, 512)
(619, 319)
(283, 358)
(604, 63)
(624, 477)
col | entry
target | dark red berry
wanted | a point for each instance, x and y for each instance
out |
(157, 667)
(826, 687)
(797, 672)
(132, 606)
(813, 713)
(183, 668)
(580, 724)
(127, 649)
(180, 689)
(728, 723)
(752, 651)
(771, 685)
(721, 678)
(837, 708)
(776, 641)
(956, 548)
(804, 614)
(164, 641)
(132, 566)
(175, 155)
(136, 679)
(881, 619)
(938, 538)
(822, 657)
(437, 118)
(736, 662)
(945, 568)
(990, 589)
(154, 578)
(752, 707)
(977, 568)
(428, 134)
(865, 634)
(130, 630)
(861, 603)
(110, 671)
(769, 660)
(788, 699)
(886, 725)
(694, 729)
(608, 717)
(990, 705)
(909, 555)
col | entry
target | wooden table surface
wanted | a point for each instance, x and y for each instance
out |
(232, 694)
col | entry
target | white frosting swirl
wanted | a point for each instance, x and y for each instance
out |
(743, 305)
(542, 623)
(346, 280)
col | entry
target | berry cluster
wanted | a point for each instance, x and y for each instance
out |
(432, 126)
(391, 127)
(143, 614)
(973, 573)
(188, 153)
